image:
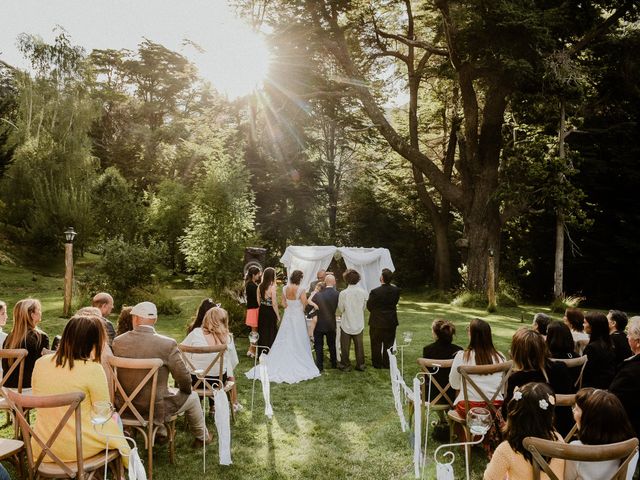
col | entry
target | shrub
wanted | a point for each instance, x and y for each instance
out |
(469, 299)
(165, 304)
(438, 296)
(560, 304)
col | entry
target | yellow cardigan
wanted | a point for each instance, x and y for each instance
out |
(87, 377)
(507, 464)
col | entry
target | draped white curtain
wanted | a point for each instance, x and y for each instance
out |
(369, 262)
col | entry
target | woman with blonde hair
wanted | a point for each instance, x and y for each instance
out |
(214, 331)
(27, 314)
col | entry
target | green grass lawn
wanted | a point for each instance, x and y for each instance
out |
(341, 425)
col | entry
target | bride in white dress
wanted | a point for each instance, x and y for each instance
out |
(290, 359)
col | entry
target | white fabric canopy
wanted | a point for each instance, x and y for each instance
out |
(368, 262)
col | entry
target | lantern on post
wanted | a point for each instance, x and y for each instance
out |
(69, 235)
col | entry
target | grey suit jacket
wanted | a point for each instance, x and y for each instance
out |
(144, 342)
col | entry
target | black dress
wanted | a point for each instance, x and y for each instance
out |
(267, 323)
(440, 350)
(601, 365)
(34, 344)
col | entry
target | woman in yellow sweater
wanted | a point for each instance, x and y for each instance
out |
(75, 367)
(530, 414)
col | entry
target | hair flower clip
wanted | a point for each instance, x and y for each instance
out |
(517, 395)
(543, 404)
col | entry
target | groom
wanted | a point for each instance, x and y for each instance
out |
(327, 301)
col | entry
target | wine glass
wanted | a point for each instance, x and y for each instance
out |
(199, 373)
(101, 412)
(479, 420)
(253, 338)
(407, 337)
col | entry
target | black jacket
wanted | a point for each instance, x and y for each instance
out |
(327, 301)
(382, 305)
(601, 365)
(626, 387)
(441, 351)
(621, 347)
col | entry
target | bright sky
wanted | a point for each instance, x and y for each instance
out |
(234, 57)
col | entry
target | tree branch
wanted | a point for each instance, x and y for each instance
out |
(413, 43)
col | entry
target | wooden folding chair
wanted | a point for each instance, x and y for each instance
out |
(130, 414)
(466, 371)
(55, 467)
(571, 363)
(17, 355)
(567, 401)
(12, 450)
(541, 449)
(208, 387)
(442, 402)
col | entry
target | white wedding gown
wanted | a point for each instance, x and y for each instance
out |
(290, 359)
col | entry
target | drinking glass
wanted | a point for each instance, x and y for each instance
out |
(407, 337)
(253, 338)
(479, 420)
(101, 412)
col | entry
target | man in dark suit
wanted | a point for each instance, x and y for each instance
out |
(327, 301)
(383, 320)
(617, 323)
(625, 384)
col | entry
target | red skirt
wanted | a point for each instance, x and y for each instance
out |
(252, 317)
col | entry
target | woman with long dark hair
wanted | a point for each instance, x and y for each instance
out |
(253, 306)
(27, 315)
(205, 305)
(601, 419)
(600, 368)
(268, 314)
(530, 414)
(560, 341)
(479, 352)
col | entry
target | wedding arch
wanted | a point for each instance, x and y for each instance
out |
(369, 262)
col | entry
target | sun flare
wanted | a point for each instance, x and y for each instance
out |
(239, 64)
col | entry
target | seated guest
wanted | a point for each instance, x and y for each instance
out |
(574, 319)
(625, 384)
(531, 364)
(75, 367)
(442, 349)
(3, 322)
(144, 342)
(104, 302)
(540, 323)
(530, 414)
(601, 419)
(560, 341)
(600, 368)
(106, 348)
(124, 321)
(25, 333)
(214, 331)
(617, 323)
(479, 352)
(206, 305)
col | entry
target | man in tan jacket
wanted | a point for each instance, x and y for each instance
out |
(144, 342)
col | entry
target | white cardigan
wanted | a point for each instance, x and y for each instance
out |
(487, 383)
(203, 360)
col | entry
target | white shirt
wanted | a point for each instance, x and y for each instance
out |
(202, 360)
(3, 337)
(596, 470)
(487, 383)
(352, 303)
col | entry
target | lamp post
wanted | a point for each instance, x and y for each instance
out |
(69, 235)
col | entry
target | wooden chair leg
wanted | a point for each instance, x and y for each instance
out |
(151, 434)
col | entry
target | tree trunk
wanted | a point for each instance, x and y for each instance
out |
(558, 271)
(482, 229)
(442, 256)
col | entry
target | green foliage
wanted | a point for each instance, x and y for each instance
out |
(165, 304)
(469, 299)
(560, 304)
(118, 213)
(128, 265)
(221, 218)
(230, 299)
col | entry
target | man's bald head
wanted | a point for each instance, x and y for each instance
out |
(104, 302)
(330, 280)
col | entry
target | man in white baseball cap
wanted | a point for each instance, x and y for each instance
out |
(144, 342)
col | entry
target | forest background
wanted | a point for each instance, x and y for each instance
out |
(521, 121)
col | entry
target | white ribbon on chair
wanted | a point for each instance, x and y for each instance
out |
(417, 427)
(396, 385)
(223, 426)
(136, 468)
(266, 387)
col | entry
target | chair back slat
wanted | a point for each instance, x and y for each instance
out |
(579, 362)
(466, 371)
(541, 449)
(22, 403)
(151, 366)
(443, 392)
(17, 355)
(208, 387)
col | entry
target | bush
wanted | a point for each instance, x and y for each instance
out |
(165, 304)
(469, 299)
(126, 266)
(560, 304)
(438, 296)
